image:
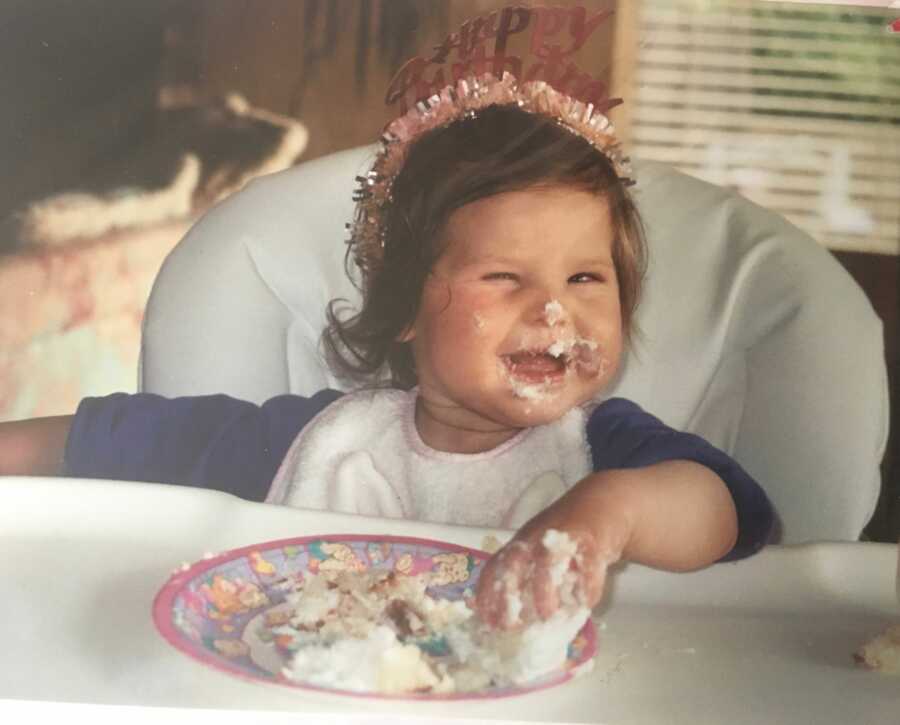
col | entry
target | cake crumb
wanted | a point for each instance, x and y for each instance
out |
(491, 544)
(881, 653)
(616, 669)
(344, 631)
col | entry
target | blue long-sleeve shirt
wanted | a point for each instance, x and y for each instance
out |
(234, 446)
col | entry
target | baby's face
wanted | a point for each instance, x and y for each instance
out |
(520, 318)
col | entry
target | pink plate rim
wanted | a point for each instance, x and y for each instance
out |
(165, 598)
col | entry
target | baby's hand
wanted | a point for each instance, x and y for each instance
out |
(539, 572)
(558, 559)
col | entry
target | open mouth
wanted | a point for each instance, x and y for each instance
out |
(536, 366)
(549, 365)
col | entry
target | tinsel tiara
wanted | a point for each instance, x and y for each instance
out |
(581, 113)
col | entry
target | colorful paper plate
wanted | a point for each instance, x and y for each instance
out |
(215, 609)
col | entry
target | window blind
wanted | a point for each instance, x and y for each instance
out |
(797, 106)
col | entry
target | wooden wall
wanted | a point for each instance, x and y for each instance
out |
(329, 62)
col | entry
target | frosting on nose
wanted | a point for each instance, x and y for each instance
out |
(554, 313)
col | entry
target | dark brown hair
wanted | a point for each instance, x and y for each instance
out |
(501, 149)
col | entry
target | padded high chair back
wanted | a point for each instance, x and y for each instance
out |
(753, 336)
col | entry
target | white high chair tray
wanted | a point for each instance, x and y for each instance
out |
(766, 640)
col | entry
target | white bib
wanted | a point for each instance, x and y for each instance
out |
(363, 455)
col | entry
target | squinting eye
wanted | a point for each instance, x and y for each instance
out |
(585, 277)
(501, 276)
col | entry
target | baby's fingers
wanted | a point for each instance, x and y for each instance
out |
(588, 573)
(591, 580)
(569, 573)
(498, 594)
(544, 589)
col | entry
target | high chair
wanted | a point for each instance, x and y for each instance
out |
(751, 334)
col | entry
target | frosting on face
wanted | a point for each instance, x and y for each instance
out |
(537, 391)
(541, 364)
(553, 312)
(550, 316)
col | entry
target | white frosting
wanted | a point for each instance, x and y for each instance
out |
(531, 391)
(513, 607)
(562, 547)
(560, 348)
(338, 651)
(534, 391)
(543, 646)
(375, 663)
(553, 312)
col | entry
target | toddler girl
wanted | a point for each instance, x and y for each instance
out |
(501, 260)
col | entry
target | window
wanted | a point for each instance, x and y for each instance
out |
(795, 105)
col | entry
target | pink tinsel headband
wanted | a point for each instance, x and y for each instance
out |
(467, 96)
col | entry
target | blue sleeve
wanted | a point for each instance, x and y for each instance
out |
(210, 441)
(622, 435)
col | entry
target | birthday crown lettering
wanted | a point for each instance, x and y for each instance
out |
(556, 34)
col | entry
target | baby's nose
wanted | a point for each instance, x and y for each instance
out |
(553, 314)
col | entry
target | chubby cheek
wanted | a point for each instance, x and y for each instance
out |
(476, 314)
(609, 363)
(600, 362)
(459, 326)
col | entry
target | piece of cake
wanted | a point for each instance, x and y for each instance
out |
(383, 633)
